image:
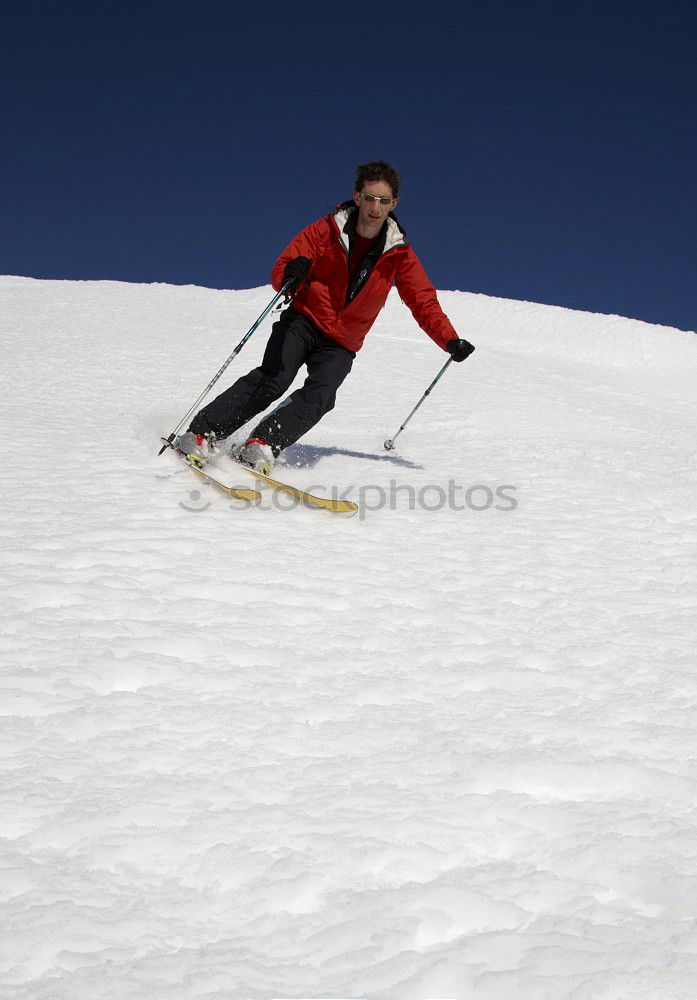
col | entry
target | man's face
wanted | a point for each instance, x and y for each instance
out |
(372, 214)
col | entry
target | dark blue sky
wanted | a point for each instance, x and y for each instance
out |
(548, 151)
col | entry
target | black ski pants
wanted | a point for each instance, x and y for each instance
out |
(295, 341)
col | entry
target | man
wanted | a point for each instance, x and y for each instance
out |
(342, 268)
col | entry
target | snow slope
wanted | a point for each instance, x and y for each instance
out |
(446, 748)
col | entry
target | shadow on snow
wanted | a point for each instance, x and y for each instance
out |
(306, 456)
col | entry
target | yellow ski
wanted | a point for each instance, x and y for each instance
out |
(239, 493)
(337, 506)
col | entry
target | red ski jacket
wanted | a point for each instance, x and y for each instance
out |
(325, 297)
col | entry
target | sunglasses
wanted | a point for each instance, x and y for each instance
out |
(372, 198)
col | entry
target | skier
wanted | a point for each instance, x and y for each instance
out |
(342, 268)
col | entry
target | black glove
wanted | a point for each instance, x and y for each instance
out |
(296, 270)
(459, 349)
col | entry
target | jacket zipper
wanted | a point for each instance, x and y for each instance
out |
(363, 275)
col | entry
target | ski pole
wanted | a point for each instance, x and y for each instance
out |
(168, 441)
(389, 444)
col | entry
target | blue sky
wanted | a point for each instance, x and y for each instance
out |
(548, 151)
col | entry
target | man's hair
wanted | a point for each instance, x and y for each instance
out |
(378, 170)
